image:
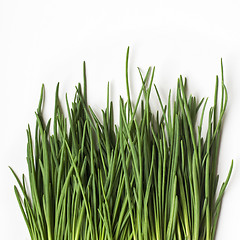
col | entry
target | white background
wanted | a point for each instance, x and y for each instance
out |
(47, 41)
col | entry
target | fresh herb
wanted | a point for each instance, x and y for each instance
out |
(148, 178)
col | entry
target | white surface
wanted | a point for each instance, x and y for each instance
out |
(47, 41)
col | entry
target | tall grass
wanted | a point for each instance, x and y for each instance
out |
(151, 178)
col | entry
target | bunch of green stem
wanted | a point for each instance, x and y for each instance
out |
(151, 178)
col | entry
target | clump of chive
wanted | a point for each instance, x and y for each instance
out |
(152, 178)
